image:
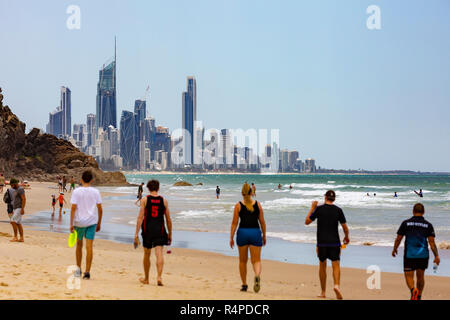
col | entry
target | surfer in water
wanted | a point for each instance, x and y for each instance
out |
(420, 193)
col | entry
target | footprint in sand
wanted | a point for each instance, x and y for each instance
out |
(4, 284)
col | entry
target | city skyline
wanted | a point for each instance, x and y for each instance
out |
(351, 97)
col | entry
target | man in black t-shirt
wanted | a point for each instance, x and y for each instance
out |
(328, 242)
(418, 232)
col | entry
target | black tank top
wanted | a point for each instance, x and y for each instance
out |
(153, 225)
(249, 219)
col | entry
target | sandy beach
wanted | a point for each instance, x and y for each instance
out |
(37, 269)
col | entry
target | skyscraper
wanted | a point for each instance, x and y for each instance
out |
(140, 110)
(55, 120)
(66, 107)
(60, 120)
(189, 101)
(91, 128)
(129, 142)
(106, 95)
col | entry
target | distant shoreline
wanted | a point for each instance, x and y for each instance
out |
(286, 173)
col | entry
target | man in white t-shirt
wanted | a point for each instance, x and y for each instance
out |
(85, 218)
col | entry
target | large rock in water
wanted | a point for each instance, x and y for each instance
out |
(182, 184)
(43, 157)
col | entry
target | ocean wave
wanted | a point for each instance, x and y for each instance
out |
(201, 213)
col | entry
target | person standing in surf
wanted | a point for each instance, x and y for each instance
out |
(253, 190)
(251, 235)
(419, 233)
(153, 217)
(217, 192)
(328, 218)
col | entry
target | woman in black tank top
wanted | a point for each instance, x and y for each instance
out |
(251, 235)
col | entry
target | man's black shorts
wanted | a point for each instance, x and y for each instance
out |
(152, 242)
(414, 264)
(332, 253)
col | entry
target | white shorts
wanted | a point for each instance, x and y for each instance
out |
(16, 216)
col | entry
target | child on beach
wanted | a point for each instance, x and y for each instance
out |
(53, 204)
(418, 232)
(61, 203)
(153, 217)
(85, 218)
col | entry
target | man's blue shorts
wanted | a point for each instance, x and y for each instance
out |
(86, 232)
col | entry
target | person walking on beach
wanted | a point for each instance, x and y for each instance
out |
(279, 186)
(18, 205)
(153, 217)
(251, 235)
(64, 183)
(60, 184)
(85, 219)
(140, 193)
(217, 192)
(72, 184)
(253, 190)
(395, 195)
(2, 182)
(328, 218)
(61, 201)
(418, 232)
(53, 204)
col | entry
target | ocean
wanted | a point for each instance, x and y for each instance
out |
(203, 222)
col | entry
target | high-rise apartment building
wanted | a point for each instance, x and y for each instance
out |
(189, 117)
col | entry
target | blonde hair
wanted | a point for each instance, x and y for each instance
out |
(246, 193)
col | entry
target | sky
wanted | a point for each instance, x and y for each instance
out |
(345, 95)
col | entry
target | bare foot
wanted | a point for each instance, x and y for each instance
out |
(322, 295)
(20, 240)
(338, 293)
(143, 281)
(14, 240)
(160, 284)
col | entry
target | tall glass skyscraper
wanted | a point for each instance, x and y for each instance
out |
(60, 121)
(91, 128)
(129, 142)
(106, 95)
(189, 101)
(66, 107)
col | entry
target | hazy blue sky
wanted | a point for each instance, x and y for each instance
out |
(348, 96)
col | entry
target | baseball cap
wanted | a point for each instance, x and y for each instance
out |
(331, 195)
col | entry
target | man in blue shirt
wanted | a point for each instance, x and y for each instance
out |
(418, 232)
